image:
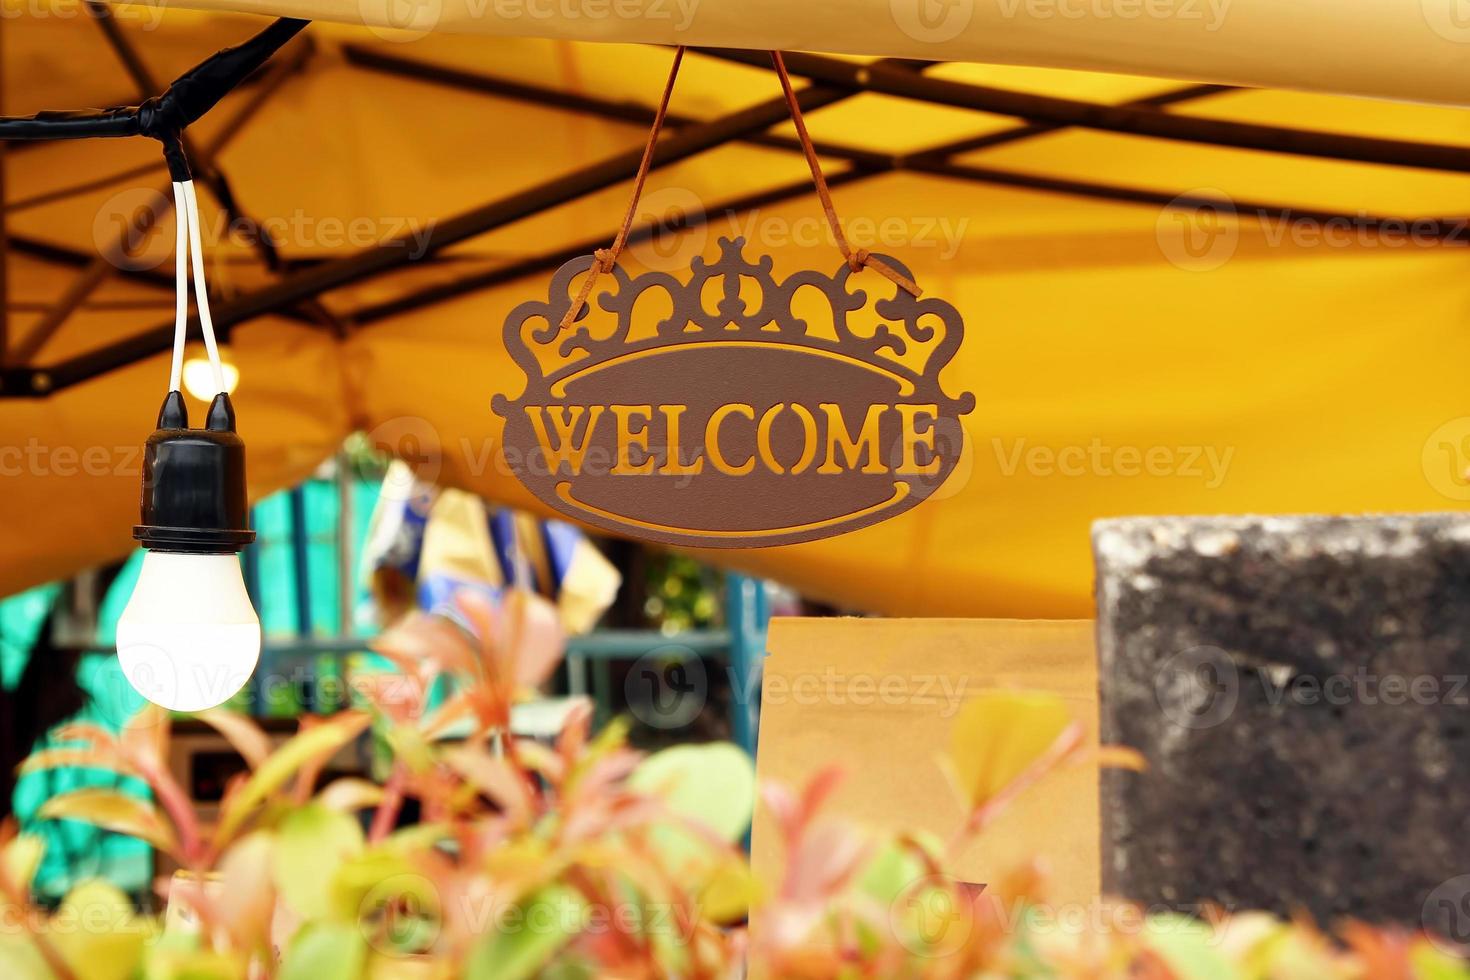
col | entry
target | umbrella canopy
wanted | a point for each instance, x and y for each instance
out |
(1188, 321)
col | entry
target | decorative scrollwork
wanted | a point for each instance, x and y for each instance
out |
(770, 319)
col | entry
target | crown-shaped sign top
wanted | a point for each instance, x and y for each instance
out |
(909, 325)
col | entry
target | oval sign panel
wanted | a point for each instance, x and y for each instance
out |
(730, 422)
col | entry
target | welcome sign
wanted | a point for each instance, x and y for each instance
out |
(732, 423)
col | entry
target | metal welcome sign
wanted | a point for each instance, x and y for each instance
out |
(732, 423)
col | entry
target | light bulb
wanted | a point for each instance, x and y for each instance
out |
(198, 376)
(189, 638)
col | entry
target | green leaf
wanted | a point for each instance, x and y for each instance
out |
(380, 878)
(311, 844)
(243, 734)
(896, 867)
(1431, 964)
(713, 784)
(21, 858)
(1188, 946)
(73, 758)
(273, 773)
(110, 944)
(247, 896)
(350, 794)
(525, 943)
(998, 735)
(21, 960)
(199, 964)
(325, 951)
(113, 811)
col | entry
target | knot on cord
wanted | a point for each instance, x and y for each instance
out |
(859, 259)
(603, 261)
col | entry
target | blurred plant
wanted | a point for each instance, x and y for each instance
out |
(682, 594)
(364, 459)
(583, 859)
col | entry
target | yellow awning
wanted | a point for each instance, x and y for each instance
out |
(1126, 357)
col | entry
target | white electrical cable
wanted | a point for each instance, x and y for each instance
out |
(181, 286)
(201, 291)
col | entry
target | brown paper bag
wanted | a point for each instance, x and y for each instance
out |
(878, 696)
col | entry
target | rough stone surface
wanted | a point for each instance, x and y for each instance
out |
(1298, 687)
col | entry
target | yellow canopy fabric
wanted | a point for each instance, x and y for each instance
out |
(1126, 358)
(1400, 49)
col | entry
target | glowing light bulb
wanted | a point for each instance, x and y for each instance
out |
(189, 638)
(198, 378)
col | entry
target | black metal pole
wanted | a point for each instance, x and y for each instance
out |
(1132, 120)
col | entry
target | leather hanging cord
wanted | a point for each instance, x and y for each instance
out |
(856, 258)
(607, 257)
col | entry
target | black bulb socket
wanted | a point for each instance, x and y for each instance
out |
(194, 498)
